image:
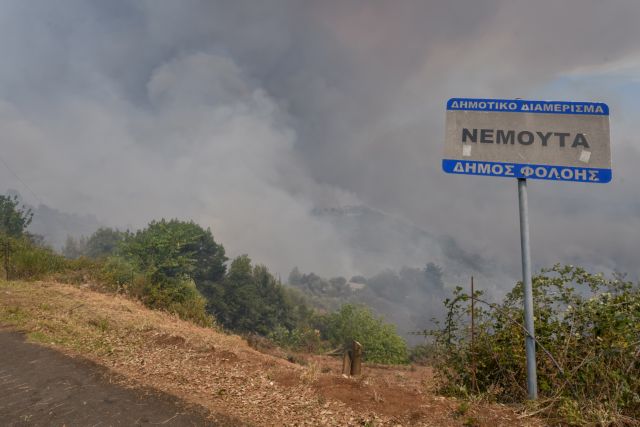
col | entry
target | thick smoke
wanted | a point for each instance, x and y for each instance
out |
(247, 116)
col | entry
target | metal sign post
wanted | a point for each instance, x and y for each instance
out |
(516, 138)
(527, 290)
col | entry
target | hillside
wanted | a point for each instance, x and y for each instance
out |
(221, 373)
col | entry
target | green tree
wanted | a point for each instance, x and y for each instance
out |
(168, 265)
(250, 299)
(176, 249)
(103, 242)
(14, 219)
(380, 341)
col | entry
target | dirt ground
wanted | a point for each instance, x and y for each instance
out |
(42, 387)
(221, 373)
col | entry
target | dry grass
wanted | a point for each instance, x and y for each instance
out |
(221, 372)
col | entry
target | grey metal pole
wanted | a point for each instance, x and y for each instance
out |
(532, 380)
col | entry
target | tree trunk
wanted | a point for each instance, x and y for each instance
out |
(356, 358)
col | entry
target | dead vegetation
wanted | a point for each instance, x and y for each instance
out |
(223, 373)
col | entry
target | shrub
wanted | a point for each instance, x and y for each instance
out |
(380, 341)
(118, 273)
(588, 333)
(25, 260)
(422, 354)
(78, 271)
(178, 296)
(298, 339)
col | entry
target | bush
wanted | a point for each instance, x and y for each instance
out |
(178, 296)
(588, 333)
(422, 354)
(22, 258)
(380, 341)
(25, 260)
(78, 271)
(118, 273)
(298, 339)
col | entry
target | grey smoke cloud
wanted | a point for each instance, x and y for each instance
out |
(245, 116)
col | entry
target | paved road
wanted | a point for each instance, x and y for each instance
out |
(41, 387)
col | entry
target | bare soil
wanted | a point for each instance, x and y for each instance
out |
(221, 373)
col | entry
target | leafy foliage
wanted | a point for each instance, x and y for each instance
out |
(250, 299)
(120, 273)
(176, 295)
(25, 260)
(303, 338)
(102, 243)
(422, 354)
(315, 285)
(14, 219)
(588, 334)
(176, 249)
(380, 341)
(23, 254)
(164, 265)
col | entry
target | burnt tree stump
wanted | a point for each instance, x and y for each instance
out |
(352, 359)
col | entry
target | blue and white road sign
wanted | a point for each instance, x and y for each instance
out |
(553, 140)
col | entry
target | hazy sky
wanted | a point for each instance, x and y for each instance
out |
(246, 115)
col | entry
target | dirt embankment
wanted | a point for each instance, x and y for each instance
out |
(221, 374)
